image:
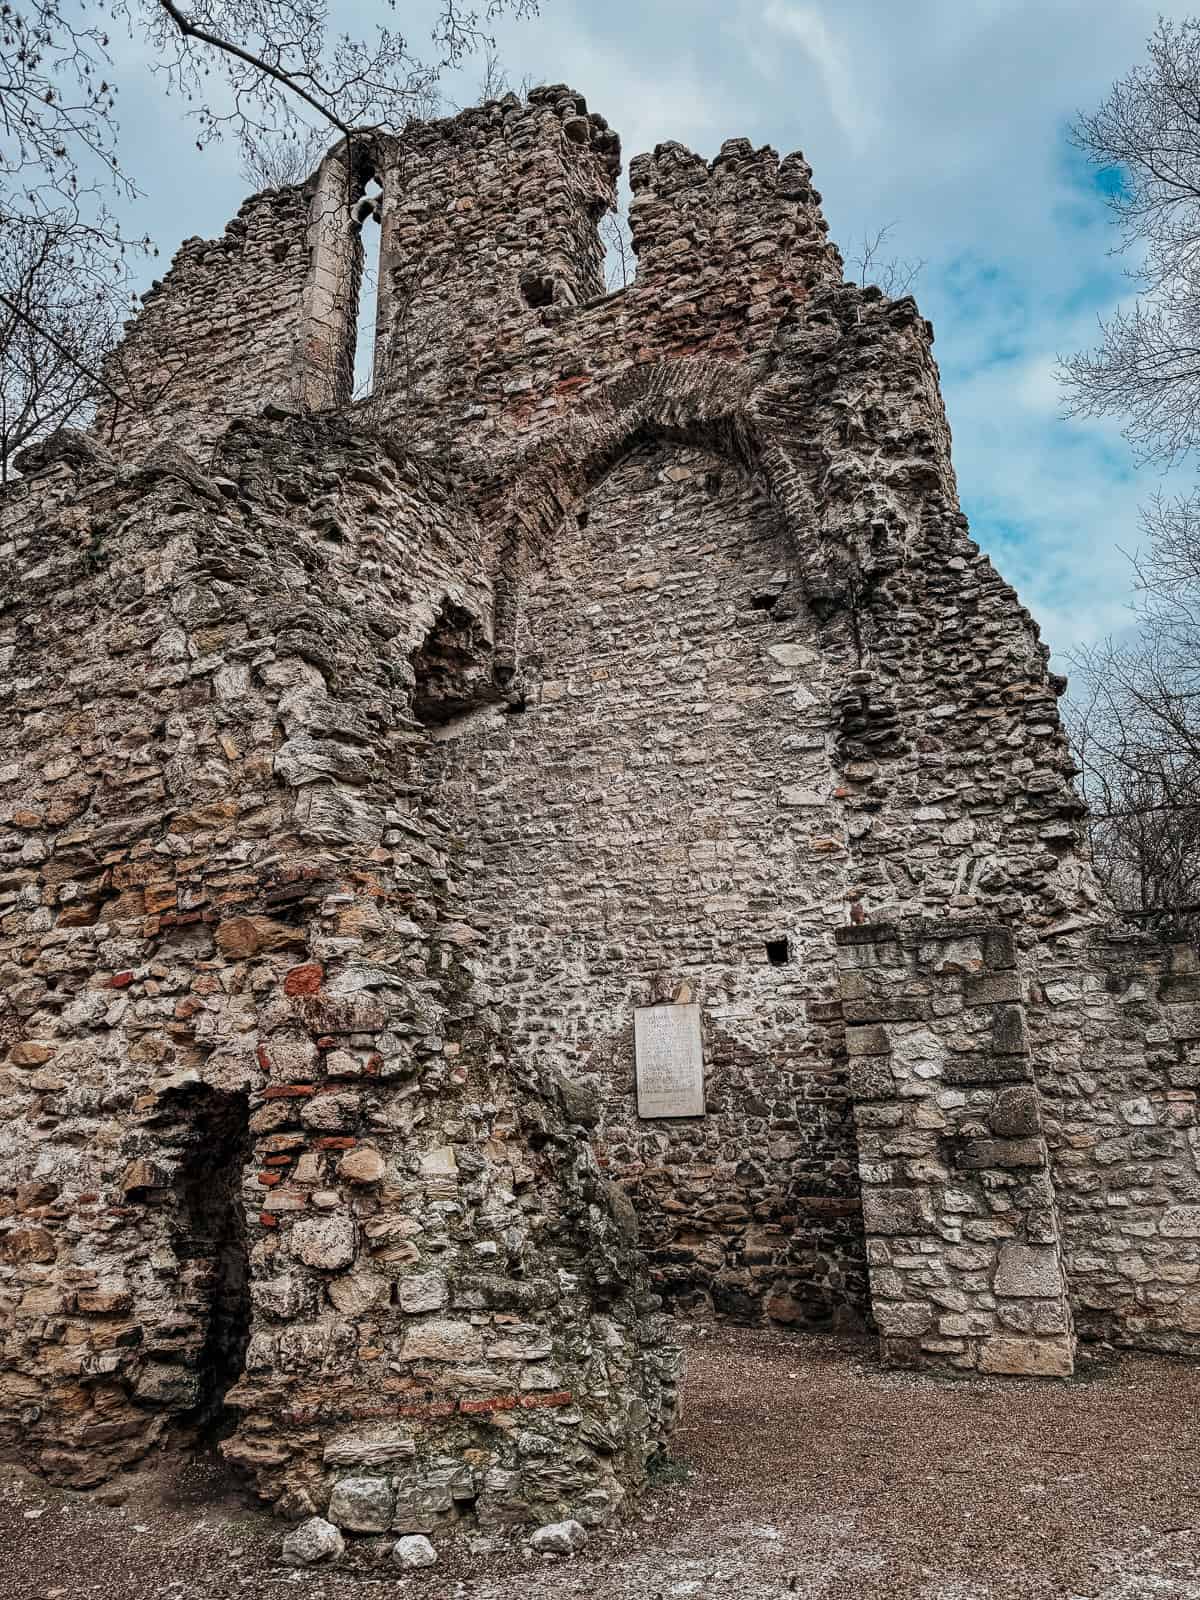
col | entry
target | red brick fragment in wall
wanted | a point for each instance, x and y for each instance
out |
(306, 979)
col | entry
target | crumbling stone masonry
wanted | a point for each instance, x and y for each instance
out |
(365, 766)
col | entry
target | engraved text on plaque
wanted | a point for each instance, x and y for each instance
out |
(670, 1061)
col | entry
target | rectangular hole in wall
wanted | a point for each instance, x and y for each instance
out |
(779, 952)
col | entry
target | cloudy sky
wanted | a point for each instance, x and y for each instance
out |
(947, 118)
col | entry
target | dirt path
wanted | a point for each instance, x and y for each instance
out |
(805, 1471)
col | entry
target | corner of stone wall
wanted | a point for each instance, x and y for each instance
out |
(958, 1205)
(267, 1143)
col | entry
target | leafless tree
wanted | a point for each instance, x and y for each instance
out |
(1135, 725)
(619, 259)
(895, 275)
(1135, 717)
(54, 334)
(276, 161)
(1145, 138)
(493, 80)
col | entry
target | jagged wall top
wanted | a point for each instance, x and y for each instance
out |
(489, 254)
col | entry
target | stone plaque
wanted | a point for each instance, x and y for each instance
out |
(670, 1061)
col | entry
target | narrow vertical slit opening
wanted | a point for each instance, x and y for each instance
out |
(367, 214)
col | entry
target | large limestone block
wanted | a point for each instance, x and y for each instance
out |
(442, 1340)
(1180, 1222)
(1029, 1270)
(362, 1505)
(422, 1291)
(897, 1211)
(326, 1242)
(313, 1541)
(1027, 1358)
(374, 1447)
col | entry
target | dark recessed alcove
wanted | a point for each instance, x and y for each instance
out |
(210, 1243)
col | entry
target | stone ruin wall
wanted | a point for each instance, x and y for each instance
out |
(659, 814)
(290, 865)
(239, 999)
(1118, 1026)
(216, 337)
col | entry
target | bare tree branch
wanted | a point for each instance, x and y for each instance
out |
(1145, 139)
(895, 275)
(619, 259)
(1135, 726)
(54, 333)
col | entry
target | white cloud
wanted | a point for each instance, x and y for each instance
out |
(805, 25)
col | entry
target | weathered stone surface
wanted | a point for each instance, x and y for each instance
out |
(1027, 1358)
(362, 1505)
(372, 1447)
(241, 937)
(326, 1242)
(356, 1293)
(1180, 1222)
(362, 1165)
(442, 1340)
(422, 1291)
(559, 1538)
(412, 1552)
(1015, 1114)
(1028, 1270)
(313, 1541)
(889, 1211)
(30, 1053)
(904, 1319)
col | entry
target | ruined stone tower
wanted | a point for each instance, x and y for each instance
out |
(373, 772)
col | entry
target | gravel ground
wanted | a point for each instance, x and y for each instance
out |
(802, 1469)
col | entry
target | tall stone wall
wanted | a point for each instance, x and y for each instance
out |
(488, 218)
(358, 797)
(658, 822)
(953, 775)
(725, 250)
(265, 1142)
(216, 337)
(492, 318)
(958, 1201)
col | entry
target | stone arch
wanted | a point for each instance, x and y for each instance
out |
(598, 832)
(701, 401)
